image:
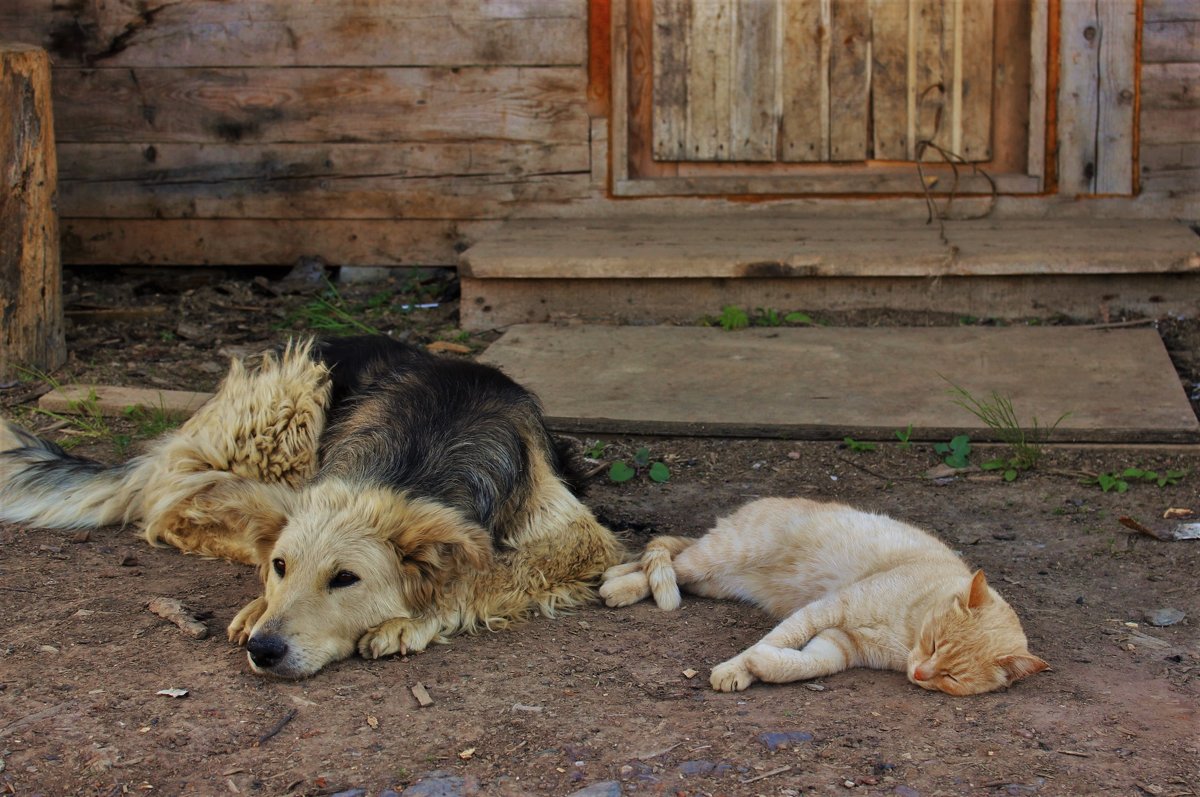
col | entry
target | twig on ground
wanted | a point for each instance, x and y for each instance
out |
(277, 727)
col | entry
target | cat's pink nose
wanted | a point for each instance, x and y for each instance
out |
(923, 673)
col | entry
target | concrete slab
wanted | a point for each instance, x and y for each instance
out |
(822, 383)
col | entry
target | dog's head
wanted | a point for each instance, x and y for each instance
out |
(339, 559)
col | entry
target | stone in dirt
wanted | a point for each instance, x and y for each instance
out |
(1164, 617)
(606, 788)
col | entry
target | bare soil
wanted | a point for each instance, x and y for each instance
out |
(601, 697)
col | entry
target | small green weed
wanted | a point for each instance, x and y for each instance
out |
(733, 317)
(1024, 446)
(857, 445)
(595, 450)
(904, 436)
(1120, 480)
(623, 472)
(83, 418)
(150, 422)
(956, 453)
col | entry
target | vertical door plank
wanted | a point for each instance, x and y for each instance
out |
(849, 80)
(1038, 44)
(671, 22)
(708, 81)
(973, 80)
(889, 79)
(804, 80)
(1078, 98)
(929, 74)
(1114, 128)
(753, 101)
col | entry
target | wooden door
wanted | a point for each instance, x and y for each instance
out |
(796, 96)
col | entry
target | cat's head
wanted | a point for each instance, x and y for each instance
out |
(972, 644)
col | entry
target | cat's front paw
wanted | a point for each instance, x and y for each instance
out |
(244, 621)
(626, 589)
(731, 676)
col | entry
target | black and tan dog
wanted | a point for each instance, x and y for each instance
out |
(390, 498)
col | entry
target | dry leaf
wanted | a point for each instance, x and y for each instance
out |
(372, 721)
(172, 692)
(1177, 513)
(466, 754)
(689, 673)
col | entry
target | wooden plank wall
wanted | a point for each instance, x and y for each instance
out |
(398, 131)
(254, 132)
(1170, 98)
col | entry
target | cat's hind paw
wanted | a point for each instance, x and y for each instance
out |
(626, 589)
(731, 676)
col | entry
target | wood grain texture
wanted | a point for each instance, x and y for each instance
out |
(973, 74)
(889, 79)
(1117, 78)
(849, 80)
(672, 20)
(435, 180)
(1039, 36)
(266, 33)
(753, 112)
(929, 74)
(31, 315)
(804, 83)
(1171, 41)
(267, 242)
(832, 382)
(337, 104)
(710, 80)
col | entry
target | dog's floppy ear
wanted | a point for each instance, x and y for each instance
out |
(435, 544)
(252, 512)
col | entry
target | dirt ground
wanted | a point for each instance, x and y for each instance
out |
(601, 699)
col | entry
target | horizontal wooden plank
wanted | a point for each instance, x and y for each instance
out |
(830, 382)
(1171, 41)
(310, 105)
(776, 246)
(114, 401)
(1172, 86)
(498, 303)
(427, 180)
(470, 197)
(132, 33)
(1158, 10)
(1169, 126)
(265, 242)
(214, 163)
(877, 180)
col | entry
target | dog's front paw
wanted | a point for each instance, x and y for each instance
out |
(731, 676)
(626, 589)
(244, 621)
(385, 639)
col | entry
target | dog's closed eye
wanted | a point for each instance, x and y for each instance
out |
(343, 578)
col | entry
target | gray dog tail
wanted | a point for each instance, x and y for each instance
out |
(43, 485)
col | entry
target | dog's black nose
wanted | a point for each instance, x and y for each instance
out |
(266, 651)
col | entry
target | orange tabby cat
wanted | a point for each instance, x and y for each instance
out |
(853, 589)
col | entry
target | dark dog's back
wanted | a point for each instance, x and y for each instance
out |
(453, 430)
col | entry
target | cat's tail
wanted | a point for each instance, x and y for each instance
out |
(42, 484)
(659, 568)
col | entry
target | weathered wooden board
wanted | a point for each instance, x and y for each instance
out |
(31, 312)
(775, 246)
(672, 21)
(971, 137)
(267, 242)
(709, 80)
(1096, 96)
(499, 303)
(889, 79)
(827, 383)
(114, 401)
(849, 80)
(132, 33)
(804, 83)
(317, 105)
(753, 112)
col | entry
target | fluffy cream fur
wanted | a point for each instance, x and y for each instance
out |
(853, 589)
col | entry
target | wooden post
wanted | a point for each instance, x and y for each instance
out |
(31, 315)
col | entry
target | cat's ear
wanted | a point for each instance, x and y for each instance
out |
(1019, 665)
(978, 594)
